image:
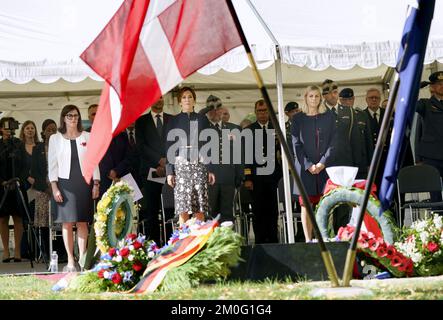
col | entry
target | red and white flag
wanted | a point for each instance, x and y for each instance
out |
(146, 49)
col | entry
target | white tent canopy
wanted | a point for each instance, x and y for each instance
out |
(351, 42)
(44, 42)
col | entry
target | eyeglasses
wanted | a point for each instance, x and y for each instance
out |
(71, 116)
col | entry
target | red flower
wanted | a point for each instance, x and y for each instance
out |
(83, 143)
(137, 266)
(100, 273)
(396, 260)
(381, 250)
(391, 252)
(116, 278)
(124, 252)
(345, 233)
(432, 247)
(373, 244)
(362, 243)
(137, 245)
(409, 267)
(131, 236)
(112, 251)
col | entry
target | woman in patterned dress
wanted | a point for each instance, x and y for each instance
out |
(185, 170)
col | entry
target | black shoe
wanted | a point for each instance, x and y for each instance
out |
(6, 260)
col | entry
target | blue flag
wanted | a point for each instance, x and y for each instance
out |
(409, 66)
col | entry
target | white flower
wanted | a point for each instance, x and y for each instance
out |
(131, 247)
(424, 236)
(118, 258)
(438, 222)
(130, 257)
(106, 275)
(151, 254)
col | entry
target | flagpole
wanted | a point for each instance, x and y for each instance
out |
(325, 253)
(384, 129)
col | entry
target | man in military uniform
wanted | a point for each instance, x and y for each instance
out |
(361, 140)
(228, 176)
(291, 109)
(347, 142)
(430, 145)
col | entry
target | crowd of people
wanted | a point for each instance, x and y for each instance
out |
(205, 158)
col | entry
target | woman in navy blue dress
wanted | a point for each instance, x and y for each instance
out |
(313, 131)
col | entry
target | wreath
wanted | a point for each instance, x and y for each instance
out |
(353, 196)
(112, 221)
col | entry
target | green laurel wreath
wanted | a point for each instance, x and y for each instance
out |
(353, 196)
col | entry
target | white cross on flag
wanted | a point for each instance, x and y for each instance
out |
(146, 49)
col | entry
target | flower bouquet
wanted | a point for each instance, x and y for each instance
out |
(119, 268)
(422, 242)
(384, 255)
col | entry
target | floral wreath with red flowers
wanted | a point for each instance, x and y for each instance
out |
(382, 254)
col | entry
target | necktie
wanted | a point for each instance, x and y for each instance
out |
(265, 142)
(159, 125)
(333, 110)
(217, 127)
(131, 138)
(375, 117)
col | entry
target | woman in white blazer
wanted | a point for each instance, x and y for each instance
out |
(73, 197)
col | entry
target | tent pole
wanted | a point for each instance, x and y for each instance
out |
(281, 120)
(325, 253)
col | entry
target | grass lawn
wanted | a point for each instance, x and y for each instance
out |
(430, 288)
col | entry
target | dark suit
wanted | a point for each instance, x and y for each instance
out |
(375, 128)
(264, 193)
(150, 149)
(364, 151)
(114, 159)
(228, 176)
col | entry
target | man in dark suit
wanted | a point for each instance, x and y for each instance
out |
(150, 143)
(113, 165)
(375, 115)
(430, 144)
(264, 185)
(228, 175)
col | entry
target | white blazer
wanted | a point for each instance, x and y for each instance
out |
(59, 156)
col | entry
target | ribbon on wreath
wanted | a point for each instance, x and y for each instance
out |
(182, 251)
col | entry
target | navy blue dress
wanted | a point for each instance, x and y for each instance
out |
(312, 139)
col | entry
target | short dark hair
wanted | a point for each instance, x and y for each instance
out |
(94, 105)
(65, 111)
(182, 90)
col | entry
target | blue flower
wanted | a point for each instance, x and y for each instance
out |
(127, 276)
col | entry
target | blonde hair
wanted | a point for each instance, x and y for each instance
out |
(304, 107)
